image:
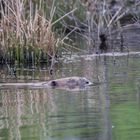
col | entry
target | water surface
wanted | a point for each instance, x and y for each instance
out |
(109, 110)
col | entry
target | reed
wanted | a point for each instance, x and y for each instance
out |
(32, 30)
(27, 31)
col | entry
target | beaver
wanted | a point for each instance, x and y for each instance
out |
(68, 82)
(62, 83)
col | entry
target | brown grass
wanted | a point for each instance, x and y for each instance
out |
(24, 23)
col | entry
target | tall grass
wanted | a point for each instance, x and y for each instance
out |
(28, 27)
(27, 30)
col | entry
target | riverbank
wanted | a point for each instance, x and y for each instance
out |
(37, 32)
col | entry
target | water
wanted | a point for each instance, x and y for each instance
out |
(106, 111)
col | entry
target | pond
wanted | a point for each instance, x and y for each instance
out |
(109, 110)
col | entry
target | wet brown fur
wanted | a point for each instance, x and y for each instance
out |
(70, 82)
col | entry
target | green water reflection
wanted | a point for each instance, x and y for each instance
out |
(106, 111)
(126, 120)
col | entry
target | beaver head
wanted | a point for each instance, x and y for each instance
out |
(84, 82)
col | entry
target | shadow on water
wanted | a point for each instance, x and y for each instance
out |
(106, 111)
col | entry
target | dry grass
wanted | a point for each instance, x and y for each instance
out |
(26, 26)
(28, 23)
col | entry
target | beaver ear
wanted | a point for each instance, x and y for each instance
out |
(54, 84)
